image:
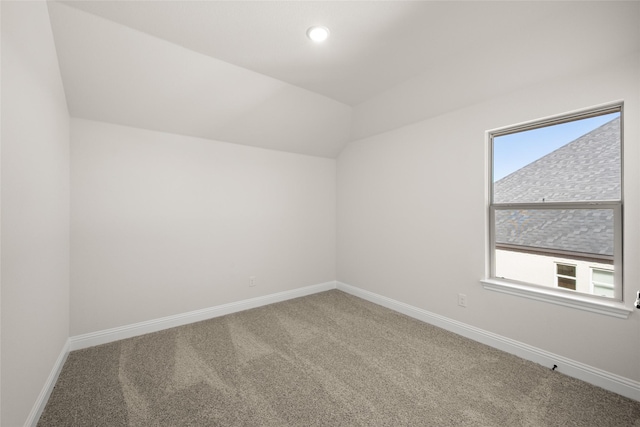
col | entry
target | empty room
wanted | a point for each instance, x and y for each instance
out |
(296, 213)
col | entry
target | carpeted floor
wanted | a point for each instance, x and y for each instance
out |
(328, 359)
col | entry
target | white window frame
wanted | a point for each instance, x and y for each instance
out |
(560, 296)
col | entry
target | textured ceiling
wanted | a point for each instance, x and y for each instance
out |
(244, 71)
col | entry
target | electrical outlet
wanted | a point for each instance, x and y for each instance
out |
(252, 281)
(462, 300)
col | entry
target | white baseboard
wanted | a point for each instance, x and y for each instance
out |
(114, 334)
(43, 397)
(612, 382)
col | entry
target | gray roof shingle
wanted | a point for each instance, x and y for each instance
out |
(586, 169)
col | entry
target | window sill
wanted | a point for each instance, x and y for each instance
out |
(614, 309)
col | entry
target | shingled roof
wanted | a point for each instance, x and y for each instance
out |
(585, 169)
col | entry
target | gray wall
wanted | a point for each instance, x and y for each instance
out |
(412, 216)
(166, 224)
(35, 208)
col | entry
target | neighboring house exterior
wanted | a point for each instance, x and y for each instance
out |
(568, 248)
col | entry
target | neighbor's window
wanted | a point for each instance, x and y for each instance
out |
(566, 276)
(602, 282)
(556, 203)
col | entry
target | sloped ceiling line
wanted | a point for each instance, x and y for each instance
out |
(244, 72)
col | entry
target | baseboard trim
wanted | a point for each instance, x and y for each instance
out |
(43, 397)
(607, 380)
(79, 342)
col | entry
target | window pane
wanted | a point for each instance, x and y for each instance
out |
(566, 270)
(568, 162)
(556, 248)
(560, 231)
(603, 276)
(567, 283)
(603, 292)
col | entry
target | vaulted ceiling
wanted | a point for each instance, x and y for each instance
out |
(244, 71)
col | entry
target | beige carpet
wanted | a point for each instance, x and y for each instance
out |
(329, 359)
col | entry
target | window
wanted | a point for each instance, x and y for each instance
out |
(602, 282)
(556, 204)
(566, 276)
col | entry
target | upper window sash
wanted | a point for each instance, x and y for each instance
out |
(610, 108)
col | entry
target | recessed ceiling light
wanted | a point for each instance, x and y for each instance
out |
(318, 34)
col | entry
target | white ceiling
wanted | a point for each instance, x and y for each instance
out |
(244, 71)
